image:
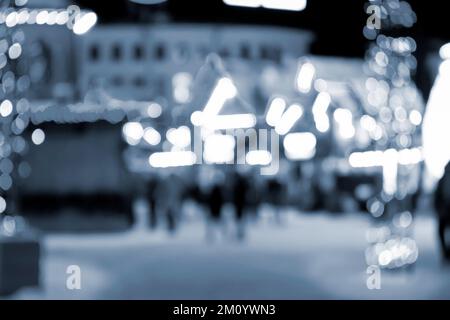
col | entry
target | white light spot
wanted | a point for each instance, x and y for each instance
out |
(385, 258)
(152, 137)
(2, 205)
(38, 137)
(85, 23)
(15, 51)
(133, 132)
(415, 117)
(41, 17)
(154, 110)
(6, 108)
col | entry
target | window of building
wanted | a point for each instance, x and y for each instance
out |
(181, 53)
(245, 52)
(160, 52)
(138, 52)
(270, 53)
(139, 81)
(203, 51)
(117, 81)
(276, 56)
(116, 53)
(264, 53)
(94, 53)
(224, 53)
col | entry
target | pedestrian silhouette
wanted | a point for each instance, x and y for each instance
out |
(442, 205)
(240, 194)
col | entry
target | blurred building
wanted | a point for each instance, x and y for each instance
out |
(152, 55)
(124, 63)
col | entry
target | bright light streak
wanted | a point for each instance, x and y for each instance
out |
(305, 77)
(410, 156)
(390, 169)
(219, 148)
(244, 3)
(172, 159)
(181, 84)
(366, 159)
(344, 118)
(370, 159)
(223, 91)
(258, 158)
(233, 121)
(48, 17)
(85, 23)
(389, 161)
(289, 118)
(291, 5)
(275, 112)
(319, 109)
(300, 146)
(223, 122)
(436, 128)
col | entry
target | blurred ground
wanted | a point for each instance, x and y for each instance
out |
(307, 256)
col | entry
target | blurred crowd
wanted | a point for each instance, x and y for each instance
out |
(165, 197)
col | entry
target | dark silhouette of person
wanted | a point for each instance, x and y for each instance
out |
(442, 205)
(168, 199)
(275, 190)
(215, 202)
(253, 200)
(240, 194)
(151, 198)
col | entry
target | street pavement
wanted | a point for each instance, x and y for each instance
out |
(303, 256)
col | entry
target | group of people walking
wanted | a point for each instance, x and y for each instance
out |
(165, 197)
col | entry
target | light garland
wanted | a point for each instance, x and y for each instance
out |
(394, 109)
